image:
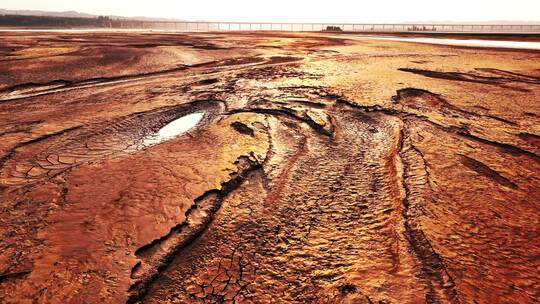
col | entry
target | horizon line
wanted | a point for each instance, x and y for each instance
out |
(171, 19)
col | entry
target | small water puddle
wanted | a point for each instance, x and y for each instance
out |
(174, 128)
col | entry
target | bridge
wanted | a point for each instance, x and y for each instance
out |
(194, 26)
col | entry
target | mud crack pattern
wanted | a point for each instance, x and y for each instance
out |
(324, 170)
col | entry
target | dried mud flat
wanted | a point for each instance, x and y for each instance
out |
(324, 170)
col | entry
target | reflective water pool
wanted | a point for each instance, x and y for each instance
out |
(466, 42)
(174, 128)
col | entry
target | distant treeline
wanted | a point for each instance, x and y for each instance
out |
(63, 22)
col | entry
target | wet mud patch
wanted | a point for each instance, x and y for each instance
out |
(283, 59)
(486, 171)
(242, 128)
(249, 60)
(231, 62)
(25, 90)
(205, 82)
(347, 288)
(511, 75)
(532, 139)
(278, 71)
(501, 81)
(320, 123)
(31, 86)
(427, 101)
(145, 45)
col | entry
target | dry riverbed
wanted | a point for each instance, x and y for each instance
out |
(266, 168)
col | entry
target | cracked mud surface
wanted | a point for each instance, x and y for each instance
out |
(324, 170)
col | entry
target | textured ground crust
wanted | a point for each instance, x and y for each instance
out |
(326, 169)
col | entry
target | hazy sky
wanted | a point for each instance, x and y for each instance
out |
(299, 10)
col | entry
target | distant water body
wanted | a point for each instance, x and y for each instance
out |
(465, 42)
(442, 41)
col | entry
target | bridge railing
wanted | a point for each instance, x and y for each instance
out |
(192, 26)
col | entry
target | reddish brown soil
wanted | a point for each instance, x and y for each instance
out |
(325, 170)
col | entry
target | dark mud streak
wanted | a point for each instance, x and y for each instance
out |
(460, 131)
(411, 92)
(47, 136)
(376, 108)
(206, 46)
(242, 128)
(312, 104)
(532, 139)
(146, 249)
(482, 169)
(506, 148)
(444, 104)
(464, 132)
(8, 59)
(13, 276)
(139, 289)
(287, 113)
(434, 270)
(205, 82)
(284, 59)
(21, 127)
(501, 119)
(32, 85)
(16, 130)
(468, 77)
(230, 62)
(530, 78)
(436, 101)
(43, 88)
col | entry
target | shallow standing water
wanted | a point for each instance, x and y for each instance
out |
(526, 45)
(174, 128)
